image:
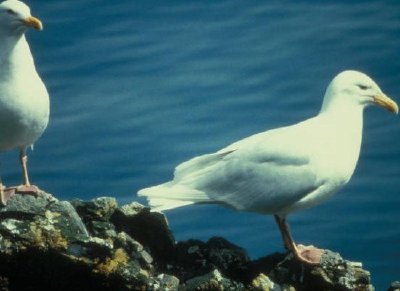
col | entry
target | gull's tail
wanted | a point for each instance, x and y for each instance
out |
(170, 195)
(182, 190)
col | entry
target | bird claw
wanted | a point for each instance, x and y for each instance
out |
(6, 193)
(308, 254)
(28, 190)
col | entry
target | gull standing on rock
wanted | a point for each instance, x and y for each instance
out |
(24, 101)
(285, 169)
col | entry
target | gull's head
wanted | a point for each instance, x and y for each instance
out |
(355, 89)
(16, 18)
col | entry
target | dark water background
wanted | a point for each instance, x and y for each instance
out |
(138, 87)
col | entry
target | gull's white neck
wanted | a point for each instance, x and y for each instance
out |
(347, 119)
(343, 121)
(15, 54)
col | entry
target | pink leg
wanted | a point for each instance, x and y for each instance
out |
(26, 187)
(307, 254)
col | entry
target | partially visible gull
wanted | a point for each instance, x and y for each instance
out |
(284, 169)
(24, 101)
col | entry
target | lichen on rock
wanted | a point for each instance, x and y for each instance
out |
(96, 245)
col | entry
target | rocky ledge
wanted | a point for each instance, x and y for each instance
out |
(47, 244)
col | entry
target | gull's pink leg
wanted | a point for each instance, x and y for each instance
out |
(307, 254)
(26, 187)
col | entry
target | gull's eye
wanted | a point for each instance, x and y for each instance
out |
(10, 11)
(363, 87)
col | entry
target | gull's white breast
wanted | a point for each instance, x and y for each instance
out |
(24, 101)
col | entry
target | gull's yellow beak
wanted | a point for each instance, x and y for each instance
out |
(33, 22)
(386, 102)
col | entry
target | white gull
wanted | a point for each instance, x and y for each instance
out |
(24, 101)
(285, 169)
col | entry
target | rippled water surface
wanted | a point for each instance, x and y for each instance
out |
(138, 87)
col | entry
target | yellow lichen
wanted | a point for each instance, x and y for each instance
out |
(110, 265)
(52, 216)
(213, 284)
(37, 236)
(7, 246)
(58, 241)
(52, 237)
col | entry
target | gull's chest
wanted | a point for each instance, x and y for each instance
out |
(334, 153)
(23, 97)
(24, 106)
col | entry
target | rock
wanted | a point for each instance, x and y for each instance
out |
(43, 222)
(264, 283)
(334, 273)
(101, 208)
(395, 286)
(96, 215)
(337, 273)
(47, 244)
(134, 249)
(213, 281)
(194, 258)
(149, 228)
(165, 282)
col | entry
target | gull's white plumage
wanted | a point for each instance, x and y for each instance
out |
(285, 169)
(280, 170)
(24, 101)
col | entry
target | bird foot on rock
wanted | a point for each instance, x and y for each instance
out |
(6, 193)
(309, 254)
(27, 189)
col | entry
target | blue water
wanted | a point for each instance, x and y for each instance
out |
(138, 87)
